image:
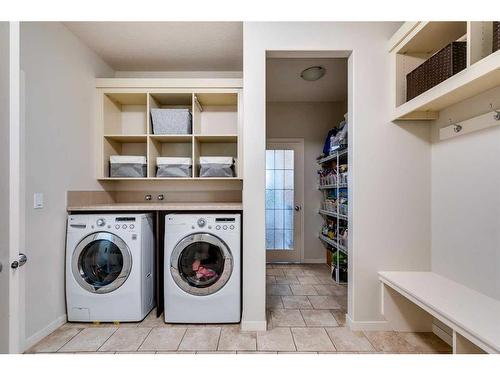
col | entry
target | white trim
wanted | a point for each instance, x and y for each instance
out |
(44, 332)
(169, 83)
(253, 325)
(366, 325)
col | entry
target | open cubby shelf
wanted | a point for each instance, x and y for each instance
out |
(415, 42)
(126, 128)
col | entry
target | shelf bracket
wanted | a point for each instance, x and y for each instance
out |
(198, 104)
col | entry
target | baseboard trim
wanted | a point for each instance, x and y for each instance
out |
(44, 332)
(255, 325)
(365, 325)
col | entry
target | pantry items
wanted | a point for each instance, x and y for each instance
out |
(339, 140)
(173, 167)
(216, 166)
(127, 166)
(171, 120)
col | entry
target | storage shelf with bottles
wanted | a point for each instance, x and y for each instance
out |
(125, 127)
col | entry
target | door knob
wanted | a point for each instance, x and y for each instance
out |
(298, 208)
(20, 262)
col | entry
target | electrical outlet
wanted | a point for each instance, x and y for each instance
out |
(38, 200)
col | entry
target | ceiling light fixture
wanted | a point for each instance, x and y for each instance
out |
(313, 73)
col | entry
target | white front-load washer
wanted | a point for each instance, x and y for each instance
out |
(109, 267)
(202, 278)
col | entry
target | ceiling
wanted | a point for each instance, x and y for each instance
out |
(285, 85)
(165, 46)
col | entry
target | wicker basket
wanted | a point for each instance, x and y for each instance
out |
(496, 36)
(438, 68)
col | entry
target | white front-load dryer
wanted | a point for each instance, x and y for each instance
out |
(109, 267)
(202, 278)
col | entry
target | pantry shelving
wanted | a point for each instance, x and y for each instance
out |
(333, 183)
(124, 125)
(415, 42)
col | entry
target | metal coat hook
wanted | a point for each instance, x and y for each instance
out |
(496, 115)
(457, 128)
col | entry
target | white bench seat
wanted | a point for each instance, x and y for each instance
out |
(473, 317)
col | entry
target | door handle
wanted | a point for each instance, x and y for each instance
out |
(21, 261)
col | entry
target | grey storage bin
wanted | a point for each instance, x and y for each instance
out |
(127, 166)
(171, 120)
(216, 166)
(173, 167)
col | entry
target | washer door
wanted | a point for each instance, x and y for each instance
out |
(101, 262)
(201, 264)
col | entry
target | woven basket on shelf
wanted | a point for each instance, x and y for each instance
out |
(438, 68)
(496, 36)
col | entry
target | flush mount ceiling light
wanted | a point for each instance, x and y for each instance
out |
(313, 73)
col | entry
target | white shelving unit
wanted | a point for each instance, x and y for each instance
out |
(415, 42)
(334, 245)
(124, 127)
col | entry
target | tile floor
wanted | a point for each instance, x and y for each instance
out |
(305, 312)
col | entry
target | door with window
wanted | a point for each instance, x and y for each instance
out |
(284, 200)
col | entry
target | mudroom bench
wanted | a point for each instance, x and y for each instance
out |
(411, 301)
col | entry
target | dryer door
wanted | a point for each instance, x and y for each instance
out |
(101, 262)
(201, 264)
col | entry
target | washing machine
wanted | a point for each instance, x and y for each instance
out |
(202, 278)
(109, 267)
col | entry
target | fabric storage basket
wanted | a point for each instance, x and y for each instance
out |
(216, 166)
(438, 68)
(171, 120)
(173, 167)
(496, 36)
(127, 166)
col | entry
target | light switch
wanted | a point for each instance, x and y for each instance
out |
(38, 200)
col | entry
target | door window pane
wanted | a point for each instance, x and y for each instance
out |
(280, 199)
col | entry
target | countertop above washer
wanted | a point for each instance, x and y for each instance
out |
(155, 206)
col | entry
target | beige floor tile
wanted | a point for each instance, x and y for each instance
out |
(274, 302)
(200, 339)
(296, 302)
(276, 339)
(232, 338)
(326, 280)
(55, 341)
(88, 340)
(297, 353)
(254, 352)
(177, 352)
(426, 342)
(287, 318)
(286, 280)
(163, 339)
(270, 279)
(389, 342)
(319, 318)
(217, 352)
(294, 272)
(151, 320)
(278, 290)
(324, 302)
(339, 316)
(328, 290)
(349, 341)
(125, 340)
(131, 352)
(307, 280)
(303, 290)
(275, 272)
(312, 339)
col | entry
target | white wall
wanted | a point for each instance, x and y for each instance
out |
(310, 121)
(390, 164)
(466, 199)
(60, 90)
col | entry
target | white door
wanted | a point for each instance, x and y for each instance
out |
(284, 200)
(9, 188)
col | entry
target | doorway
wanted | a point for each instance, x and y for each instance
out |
(284, 200)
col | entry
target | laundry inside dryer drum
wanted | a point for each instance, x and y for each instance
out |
(100, 263)
(201, 264)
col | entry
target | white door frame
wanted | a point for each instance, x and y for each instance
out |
(299, 171)
(15, 320)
